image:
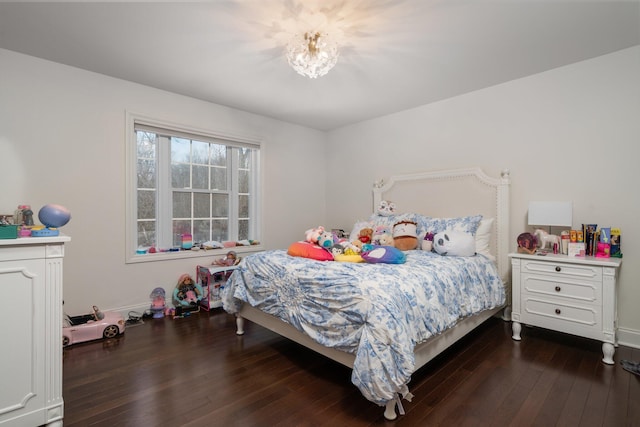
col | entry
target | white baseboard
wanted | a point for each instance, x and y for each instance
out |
(629, 337)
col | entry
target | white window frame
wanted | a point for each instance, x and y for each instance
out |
(131, 226)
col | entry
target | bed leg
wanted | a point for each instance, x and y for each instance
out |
(390, 410)
(239, 325)
(390, 407)
(516, 327)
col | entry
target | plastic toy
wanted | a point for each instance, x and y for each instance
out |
(157, 303)
(54, 215)
(93, 326)
(545, 239)
(230, 259)
(187, 293)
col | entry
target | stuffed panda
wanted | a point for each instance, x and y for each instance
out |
(454, 243)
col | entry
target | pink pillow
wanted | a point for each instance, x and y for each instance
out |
(309, 250)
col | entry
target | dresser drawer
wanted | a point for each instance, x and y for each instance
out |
(560, 269)
(574, 319)
(559, 286)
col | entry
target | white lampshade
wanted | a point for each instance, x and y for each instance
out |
(551, 213)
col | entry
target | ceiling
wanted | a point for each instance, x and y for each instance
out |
(395, 55)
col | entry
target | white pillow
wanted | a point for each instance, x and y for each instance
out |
(483, 237)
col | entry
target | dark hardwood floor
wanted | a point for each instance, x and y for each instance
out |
(195, 371)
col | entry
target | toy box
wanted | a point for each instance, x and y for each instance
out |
(8, 231)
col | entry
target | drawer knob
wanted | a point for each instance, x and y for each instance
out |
(558, 311)
(558, 288)
(558, 269)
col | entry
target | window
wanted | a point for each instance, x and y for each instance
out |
(189, 187)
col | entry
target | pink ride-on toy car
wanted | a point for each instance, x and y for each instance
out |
(88, 327)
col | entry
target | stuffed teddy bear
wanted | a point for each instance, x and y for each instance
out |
(365, 235)
(454, 243)
(405, 236)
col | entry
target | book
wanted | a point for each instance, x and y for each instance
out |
(616, 236)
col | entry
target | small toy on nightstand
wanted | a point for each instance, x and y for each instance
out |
(527, 243)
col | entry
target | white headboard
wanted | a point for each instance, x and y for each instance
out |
(454, 193)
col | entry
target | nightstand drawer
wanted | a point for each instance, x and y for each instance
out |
(560, 269)
(562, 287)
(578, 320)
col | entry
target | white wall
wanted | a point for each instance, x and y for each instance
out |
(62, 140)
(567, 134)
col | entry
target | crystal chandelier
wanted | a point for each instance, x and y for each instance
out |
(312, 54)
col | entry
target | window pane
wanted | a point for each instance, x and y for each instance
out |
(218, 155)
(180, 175)
(220, 230)
(147, 143)
(219, 179)
(220, 205)
(200, 177)
(180, 150)
(181, 205)
(200, 152)
(146, 172)
(201, 231)
(146, 204)
(146, 233)
(245, 158)
(243, 206)
(243, 229)
(201, 206)
(180, 227)
(243, 181)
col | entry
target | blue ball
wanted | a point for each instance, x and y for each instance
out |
(54, 216)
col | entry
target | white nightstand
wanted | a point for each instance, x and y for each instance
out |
(574, 295)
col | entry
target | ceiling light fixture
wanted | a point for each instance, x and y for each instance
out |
(312, 54)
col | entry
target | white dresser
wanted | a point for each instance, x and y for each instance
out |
(31, 319)
(575, 295)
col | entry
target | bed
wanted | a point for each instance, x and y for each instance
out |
(385, 321)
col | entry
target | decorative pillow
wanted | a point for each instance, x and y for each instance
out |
(467, 224)
(454, 243)
(309, 250)
(384, 254)
(348, 258)
(483, 238)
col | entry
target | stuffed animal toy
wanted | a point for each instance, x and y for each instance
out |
(454, 243)
(405, 236)
(381, 233)
(337, 249)
(386, 208)
(365, 235)
(385, 240)
(356, 246)
(325, 240)
(312, 234)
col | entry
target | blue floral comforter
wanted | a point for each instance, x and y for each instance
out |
(378, 312)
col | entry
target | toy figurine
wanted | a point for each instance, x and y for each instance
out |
(187, 292)
(230, 259)
(157, 303)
